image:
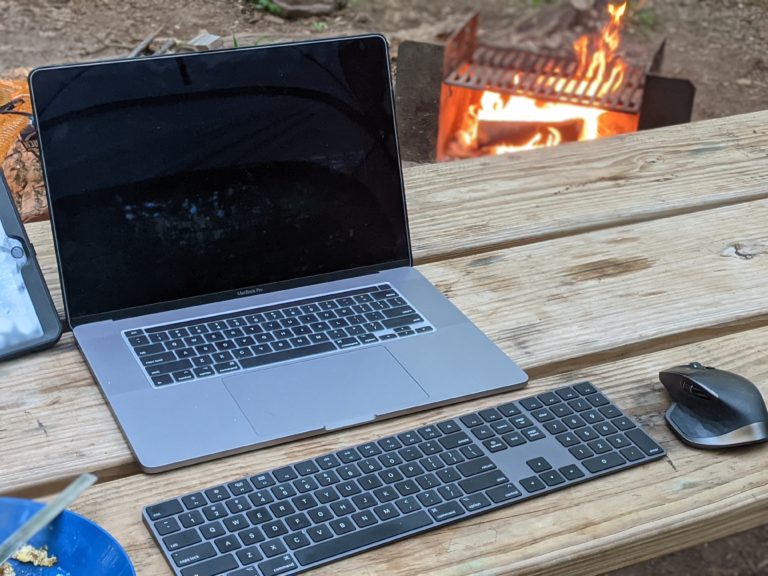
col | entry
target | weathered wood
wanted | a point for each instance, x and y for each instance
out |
(587, 529)
(479, 205)
(551, 306)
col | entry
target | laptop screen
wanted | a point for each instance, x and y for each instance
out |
(206, 174)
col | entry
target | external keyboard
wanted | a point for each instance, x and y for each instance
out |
(324, 509)
(214, 345)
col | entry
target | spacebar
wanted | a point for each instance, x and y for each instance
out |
(362, 538)
(287, 355)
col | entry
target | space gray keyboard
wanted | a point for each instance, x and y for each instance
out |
(327, 508)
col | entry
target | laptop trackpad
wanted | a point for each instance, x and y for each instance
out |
(329, 392)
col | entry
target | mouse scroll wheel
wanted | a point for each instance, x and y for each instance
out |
(699, 392)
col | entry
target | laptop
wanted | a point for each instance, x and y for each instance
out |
(233, 248)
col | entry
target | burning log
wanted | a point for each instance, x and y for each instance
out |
(519, 133)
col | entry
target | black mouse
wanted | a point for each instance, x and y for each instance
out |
(714, 408)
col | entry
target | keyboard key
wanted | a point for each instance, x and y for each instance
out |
(584, 388)
(227, 544)
(603, 462)
(446, 511)
(532, 484)
(618, 441)
(503, 493)
(296, 541)
(531, 403)
(164, 509)
(476, 466)
(581, 452)
(632, 454)
(278, 566)
(190, 519)
(193, 554)
(249, 555)
(567, 439)
(181, 540)
(571, 472)
(552, 478)
(539, 464)
(162, 380)
(483, 481)
(272, 548)
(287, 355)
(471, 420)
(149, 349)
(643, 442)
(623, 423)
(610, 411)
(494, 445)
(549, 398)
(212, 567)
(514, 439)
(474, 502)
(136, 341)
(532, 434)
(509, 409)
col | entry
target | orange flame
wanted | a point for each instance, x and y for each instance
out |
(600, 72)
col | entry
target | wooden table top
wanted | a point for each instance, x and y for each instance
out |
(606, 261)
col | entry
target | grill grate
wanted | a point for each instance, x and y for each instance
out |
(514, 71)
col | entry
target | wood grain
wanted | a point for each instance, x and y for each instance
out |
(489, 203)
(690, 497)
(552, 306)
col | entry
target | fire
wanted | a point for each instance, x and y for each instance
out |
(600, 72)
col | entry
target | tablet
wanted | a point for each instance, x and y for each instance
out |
(28, 318)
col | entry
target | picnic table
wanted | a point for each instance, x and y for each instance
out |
(604, 261)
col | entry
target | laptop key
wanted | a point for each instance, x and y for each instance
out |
(291, 354)
(162, 380)
(138, 341)
(347, 342)
(168, 367)
(158, 358)
(204, 371)
(402, 321)
(226, 367)
(149, 349)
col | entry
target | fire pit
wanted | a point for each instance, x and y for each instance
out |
(495, 100)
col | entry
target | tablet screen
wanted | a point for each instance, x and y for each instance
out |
(18, 318)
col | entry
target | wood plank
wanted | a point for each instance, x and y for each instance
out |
(551, 306)
(690, 497)
(490, 203)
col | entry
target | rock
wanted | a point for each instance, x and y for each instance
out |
(307, 8)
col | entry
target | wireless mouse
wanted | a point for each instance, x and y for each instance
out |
(713, 408)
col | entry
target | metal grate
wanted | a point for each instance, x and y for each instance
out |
(514, 71)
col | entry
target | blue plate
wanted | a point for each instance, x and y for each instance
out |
(81, 547)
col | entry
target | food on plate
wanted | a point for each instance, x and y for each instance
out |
(29, 555)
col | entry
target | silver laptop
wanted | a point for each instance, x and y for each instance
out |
(233, 248)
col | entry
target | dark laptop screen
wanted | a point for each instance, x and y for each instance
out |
(185, 176)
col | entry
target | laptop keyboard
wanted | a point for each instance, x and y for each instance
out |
(324, 509)
(203, 347)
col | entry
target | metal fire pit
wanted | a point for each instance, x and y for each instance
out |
(425, 71)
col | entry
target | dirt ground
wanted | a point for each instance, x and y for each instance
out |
(721, 45)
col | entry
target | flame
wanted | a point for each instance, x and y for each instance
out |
(600, 72)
